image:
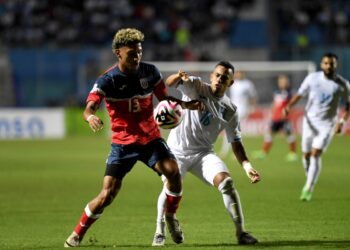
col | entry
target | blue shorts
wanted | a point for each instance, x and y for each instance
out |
(122, 158)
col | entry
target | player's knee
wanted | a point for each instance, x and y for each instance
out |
(226, 186)
(172, 172)
(307, 156)
(106, 197)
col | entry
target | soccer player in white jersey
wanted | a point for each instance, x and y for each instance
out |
(243, 95)
(192, 143)
(325, 89)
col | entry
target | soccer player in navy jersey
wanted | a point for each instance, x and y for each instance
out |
(128, 89)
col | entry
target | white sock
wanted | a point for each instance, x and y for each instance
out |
(160, 211)
(232, 204)
(313, 173)
(306, 165)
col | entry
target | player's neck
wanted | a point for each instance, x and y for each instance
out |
(330, 76)
(126, 70)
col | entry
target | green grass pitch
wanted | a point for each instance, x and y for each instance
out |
(44, 186)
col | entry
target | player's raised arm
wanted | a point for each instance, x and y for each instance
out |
(89, 116)
(192, 105)
(175, 78)
(241, 156)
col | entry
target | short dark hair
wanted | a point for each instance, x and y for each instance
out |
(226, 64)
(330, 55)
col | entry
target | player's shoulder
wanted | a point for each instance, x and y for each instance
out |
(146, 66)
(314, 75)
(193, 82)
(107, 76)
(111, 72)
(196, 79)
(341, 80)
(229, 103)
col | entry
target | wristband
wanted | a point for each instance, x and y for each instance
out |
(341, 121)
(247, 166)
(89, 118)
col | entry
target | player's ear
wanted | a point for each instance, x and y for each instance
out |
(231, 83)
(117, 53)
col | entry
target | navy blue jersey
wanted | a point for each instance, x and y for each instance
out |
(129, 101)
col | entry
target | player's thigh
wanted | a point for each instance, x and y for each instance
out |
(208, 166)
(323, 138)
(120, 161)
(157, 155)
(183, 163)
(308, 134)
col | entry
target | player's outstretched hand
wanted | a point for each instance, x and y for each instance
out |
(253, 175)
(183, 75)
(95, 123)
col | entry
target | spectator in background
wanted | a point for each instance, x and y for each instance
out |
(243, 94)
(279, 123)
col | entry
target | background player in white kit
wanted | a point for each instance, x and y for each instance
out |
(324, 89)
(243, 95)
(192, 143)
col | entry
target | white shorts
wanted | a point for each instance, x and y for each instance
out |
(204, 165)
(316, 135)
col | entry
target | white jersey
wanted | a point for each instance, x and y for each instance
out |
(323, 96)
(240, 93)
(199, 129)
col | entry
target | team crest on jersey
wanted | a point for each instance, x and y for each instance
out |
(144, 83)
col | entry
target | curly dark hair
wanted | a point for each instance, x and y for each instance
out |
(127, 36)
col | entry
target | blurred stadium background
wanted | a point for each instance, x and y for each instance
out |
(52, 51)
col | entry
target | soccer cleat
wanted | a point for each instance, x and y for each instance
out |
(305, 195)
(174, 229)
(159, 236)
(291, 156)
(73, 240)
(158, 240)
(259, 154)
(246, 239)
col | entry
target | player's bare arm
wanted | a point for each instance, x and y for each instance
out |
(89, 116)
(241, 156)
(175, 78)
(192, 105)
(291, 103)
